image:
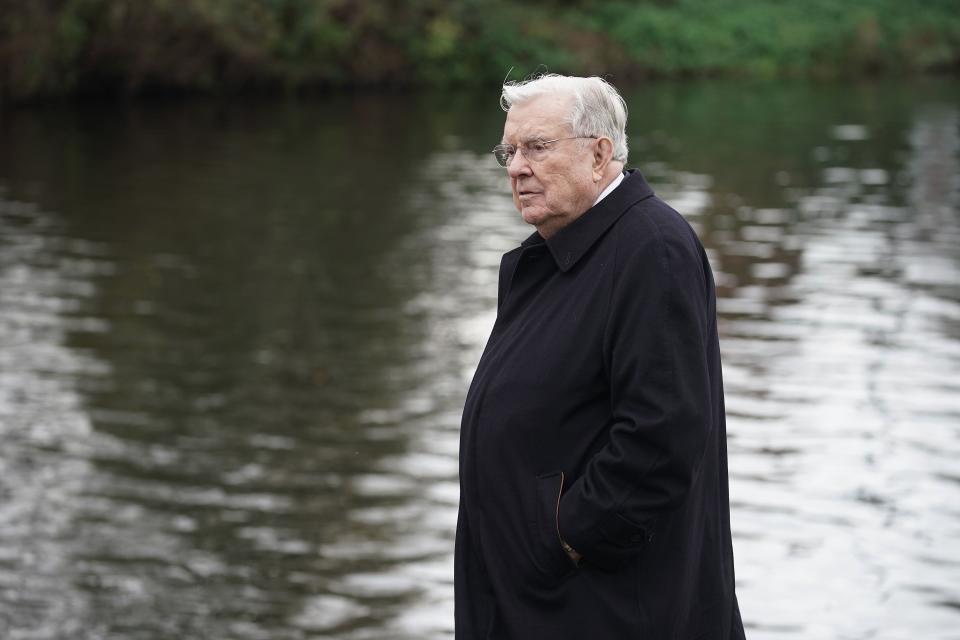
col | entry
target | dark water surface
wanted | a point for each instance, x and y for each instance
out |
(235, 340)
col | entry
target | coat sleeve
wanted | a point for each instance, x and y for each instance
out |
(661, 317)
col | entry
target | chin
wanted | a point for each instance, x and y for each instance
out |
(532, 215)
(532, 219)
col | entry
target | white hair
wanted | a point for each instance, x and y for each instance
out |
(598, 109)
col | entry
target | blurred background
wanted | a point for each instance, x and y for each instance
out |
(248, 261)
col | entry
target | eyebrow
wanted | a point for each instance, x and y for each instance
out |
(528, 139)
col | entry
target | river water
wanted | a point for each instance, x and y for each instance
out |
(235, 339)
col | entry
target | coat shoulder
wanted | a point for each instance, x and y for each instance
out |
(652, 225)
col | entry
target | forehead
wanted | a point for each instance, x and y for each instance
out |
(542, 116)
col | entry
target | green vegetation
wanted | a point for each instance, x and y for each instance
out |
(56, 47)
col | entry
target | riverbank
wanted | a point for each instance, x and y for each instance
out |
(131, 47)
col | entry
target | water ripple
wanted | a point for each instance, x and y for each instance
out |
(237, 415)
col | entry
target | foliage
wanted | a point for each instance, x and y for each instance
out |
(52, 47)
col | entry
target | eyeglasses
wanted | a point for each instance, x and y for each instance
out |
(533, 150)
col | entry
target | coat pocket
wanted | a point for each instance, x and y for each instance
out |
(548, 556)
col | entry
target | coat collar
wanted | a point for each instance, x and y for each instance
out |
(570, 243)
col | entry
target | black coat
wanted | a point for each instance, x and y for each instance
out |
(597, 409)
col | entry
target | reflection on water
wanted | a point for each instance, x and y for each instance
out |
(234, 344)
(843, 393)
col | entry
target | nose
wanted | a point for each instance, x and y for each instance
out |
(518, 165)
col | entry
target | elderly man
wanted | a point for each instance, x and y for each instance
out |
(593, 461)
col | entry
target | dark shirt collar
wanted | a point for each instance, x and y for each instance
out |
(570, 243)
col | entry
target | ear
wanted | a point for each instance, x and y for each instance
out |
(602, 155)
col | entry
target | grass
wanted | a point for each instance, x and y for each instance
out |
(63, 47)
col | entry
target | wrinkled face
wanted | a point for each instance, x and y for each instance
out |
(553, 191)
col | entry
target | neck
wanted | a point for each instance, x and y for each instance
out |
(613, 170)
